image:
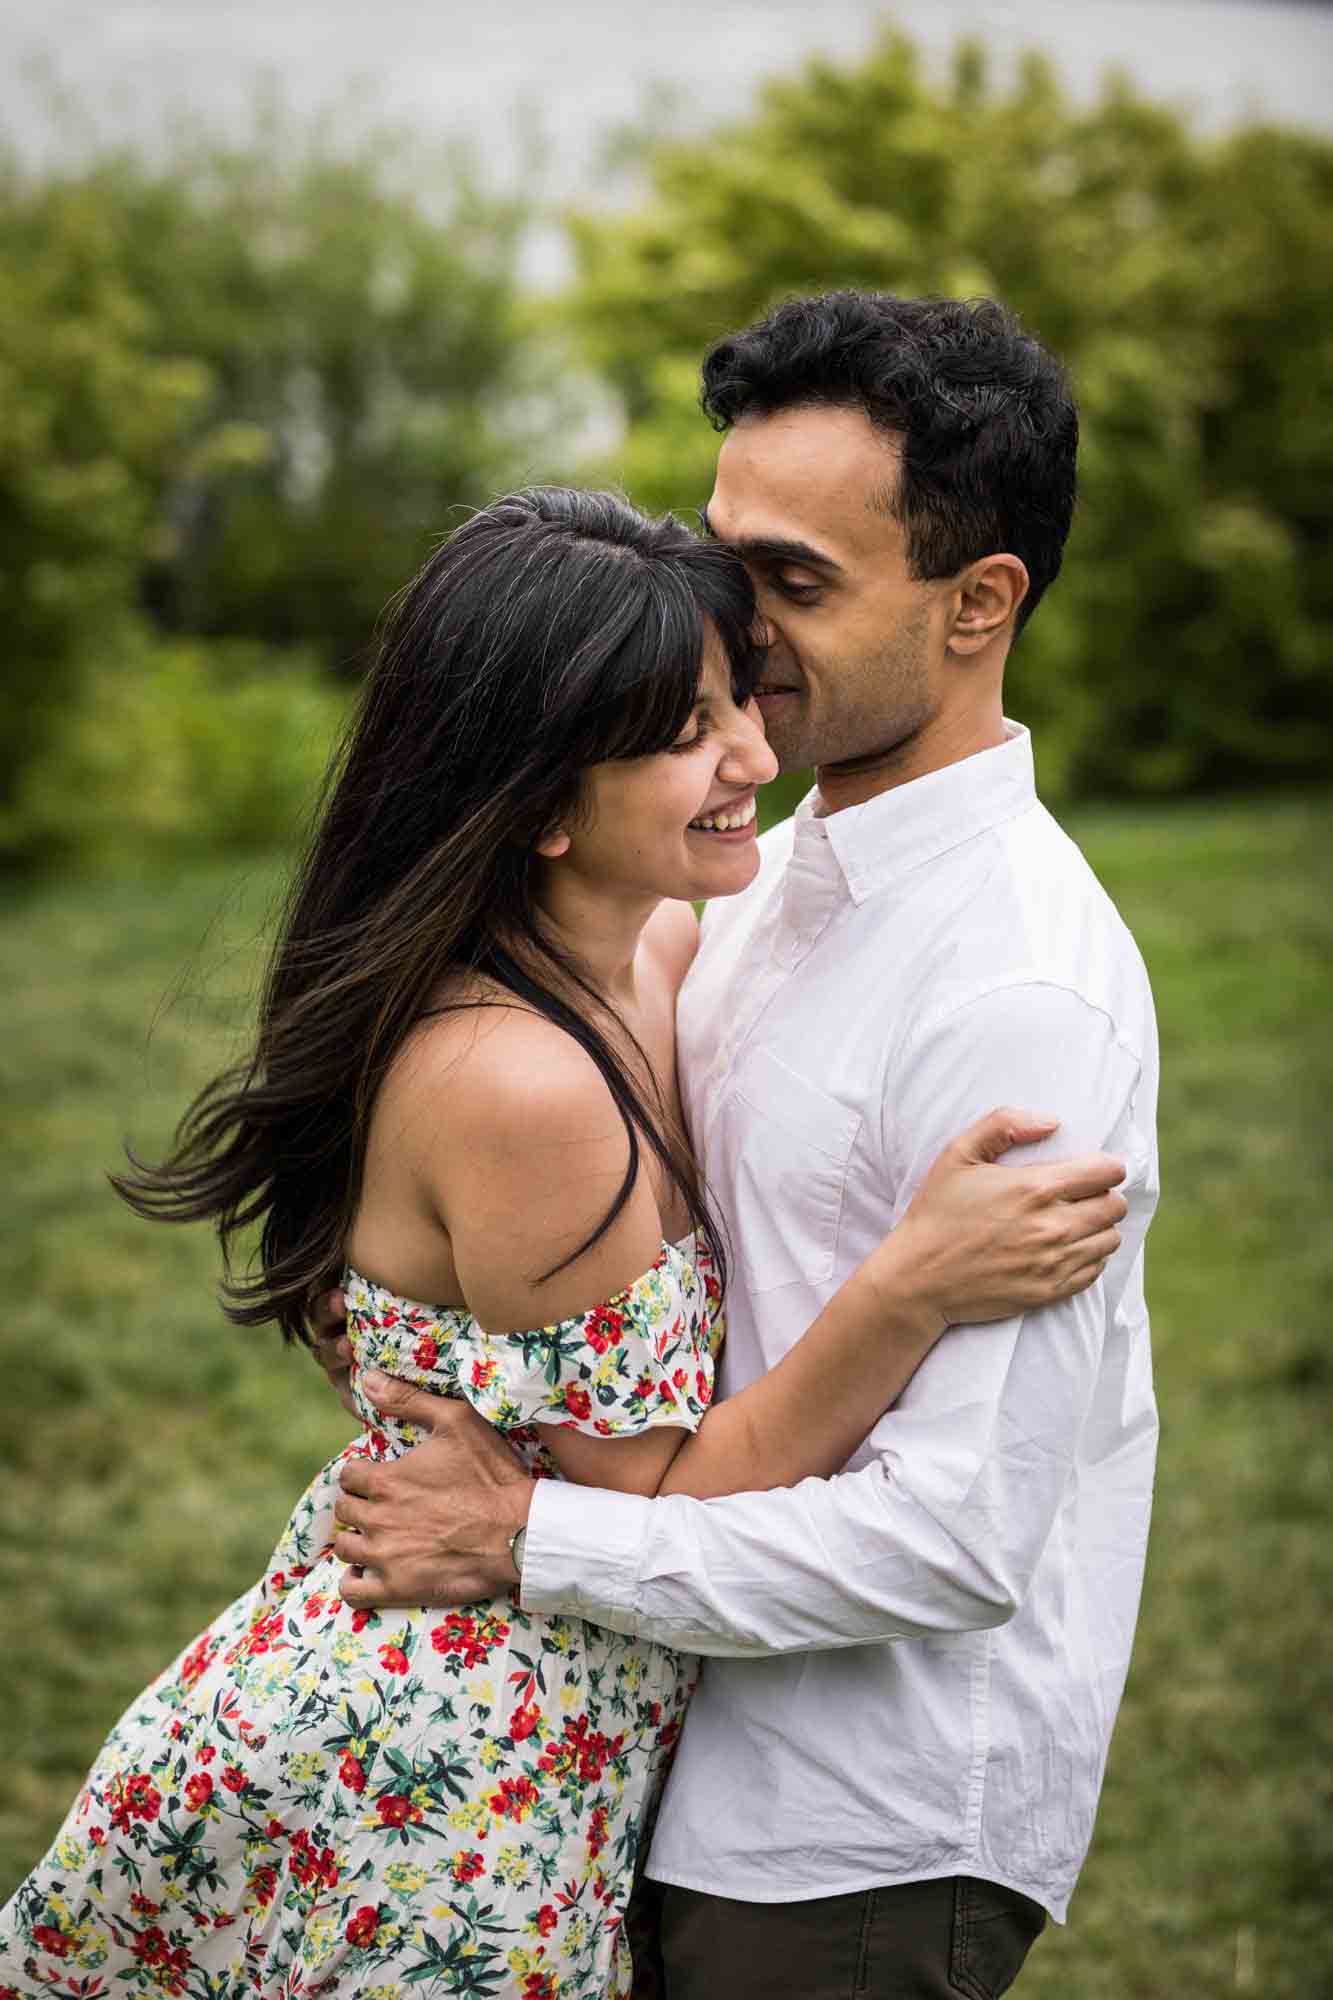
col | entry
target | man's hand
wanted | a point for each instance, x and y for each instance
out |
(333, 1350)
(434, 1526)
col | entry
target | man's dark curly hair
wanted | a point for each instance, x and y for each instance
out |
(987, 423)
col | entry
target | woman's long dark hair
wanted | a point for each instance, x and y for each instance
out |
(554, 630)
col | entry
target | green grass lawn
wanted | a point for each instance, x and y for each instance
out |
(149, 1452)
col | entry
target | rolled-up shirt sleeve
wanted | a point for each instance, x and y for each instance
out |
(940, 1522)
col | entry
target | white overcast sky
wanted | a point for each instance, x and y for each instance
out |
(585, 64)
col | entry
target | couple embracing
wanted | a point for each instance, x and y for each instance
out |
(690, 1311)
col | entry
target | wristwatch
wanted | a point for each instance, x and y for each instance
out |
(516, 1542)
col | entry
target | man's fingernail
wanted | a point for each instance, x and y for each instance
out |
(374, 1383)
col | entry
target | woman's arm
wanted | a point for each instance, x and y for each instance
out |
(536, 1153)
(978, 1242)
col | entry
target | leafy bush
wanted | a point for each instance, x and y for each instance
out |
(183, 747)
(1185, 282)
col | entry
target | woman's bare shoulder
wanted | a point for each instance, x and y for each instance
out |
(495, 1066)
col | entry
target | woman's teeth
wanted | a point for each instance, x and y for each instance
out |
(725, 822)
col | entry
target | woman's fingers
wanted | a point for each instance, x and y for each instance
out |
(1078, 1219)
(1076, 1180)
(1098, 1249)
(993, 1135)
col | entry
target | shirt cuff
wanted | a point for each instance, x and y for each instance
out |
(583, 1553)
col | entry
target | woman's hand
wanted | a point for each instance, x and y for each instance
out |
(982, 1242)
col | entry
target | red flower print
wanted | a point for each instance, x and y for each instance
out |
(643, 1388)
(352, 1772)
(362, 1927)
(169, 1965)
(583, 1752)
(233, 1777)
(52, 1941)
(577, 1401)
(515, 1798)
(603, 1328)
(597, 1831)
(196, 1660)
(467, 1865)
(262, 1884)
(665, 1393)
(263, 1633)
(540, 1986)
(313, 1606)
(360, 1620)
(483, 1374)
(703, 1391)
(393, 1659)
(523, 1721)
(207, 1753)
(460, 1634)
(547, 1919)
(143, 1907)
(198, 1791)
(426, 1352)
(97, 1835)
(396, 1809)
(135, 1798)
(680, 1378)
(311, 1864)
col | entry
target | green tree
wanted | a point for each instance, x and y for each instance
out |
(90, 409)
(1185, 282)
(357, 308)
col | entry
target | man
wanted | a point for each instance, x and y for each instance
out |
(890, 1769)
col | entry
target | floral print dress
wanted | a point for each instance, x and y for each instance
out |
(313, 1800)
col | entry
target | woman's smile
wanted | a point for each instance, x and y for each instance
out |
(735, 822)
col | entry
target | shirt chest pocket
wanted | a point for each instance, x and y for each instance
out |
(786, 1149)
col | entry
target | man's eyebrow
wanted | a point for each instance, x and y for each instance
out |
(776, 549)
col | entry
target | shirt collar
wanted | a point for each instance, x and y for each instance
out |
(891, 835)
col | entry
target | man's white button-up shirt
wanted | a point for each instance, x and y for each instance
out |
(913, 1668)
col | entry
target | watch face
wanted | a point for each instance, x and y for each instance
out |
(516, 1547)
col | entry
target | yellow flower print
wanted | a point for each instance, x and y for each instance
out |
(405, 1877)
(307, 1764)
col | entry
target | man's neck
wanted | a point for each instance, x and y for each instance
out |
(943, 741)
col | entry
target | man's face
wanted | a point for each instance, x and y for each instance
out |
(854, 669)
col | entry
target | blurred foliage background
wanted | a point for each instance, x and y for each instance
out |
(244, 385)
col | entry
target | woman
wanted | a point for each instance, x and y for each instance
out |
(464, 1085)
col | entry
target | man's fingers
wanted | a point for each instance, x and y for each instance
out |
(349, 1512)
(328, 1314)
(333, 1352)
(359, 1475)
(360, 1589)
(395, 1398)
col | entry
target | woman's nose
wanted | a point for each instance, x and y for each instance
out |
(749, 760)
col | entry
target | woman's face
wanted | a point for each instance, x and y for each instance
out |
(680, 823)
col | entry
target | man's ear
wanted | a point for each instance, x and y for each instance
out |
(987, 597)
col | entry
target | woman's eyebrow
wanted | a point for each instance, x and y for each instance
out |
(776, 549)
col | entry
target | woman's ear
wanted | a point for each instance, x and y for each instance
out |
(552, 845)
(989, 594)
